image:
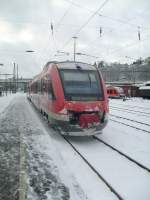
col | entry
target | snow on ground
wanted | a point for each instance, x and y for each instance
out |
(5, 101)
(131, 103)
(128, 140)
(45, 181)
(55, 171)
(122, 174)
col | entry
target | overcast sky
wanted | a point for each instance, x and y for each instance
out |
(26, 25)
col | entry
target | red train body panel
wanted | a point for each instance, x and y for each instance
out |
(115, 92)
(72, 96)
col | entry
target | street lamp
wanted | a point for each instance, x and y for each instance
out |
(83, 54)
(29, 51)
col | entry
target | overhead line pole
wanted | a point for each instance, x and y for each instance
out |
(14, 76)
(74, 48)
(17, 77)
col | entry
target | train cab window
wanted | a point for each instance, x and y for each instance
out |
(81, 85)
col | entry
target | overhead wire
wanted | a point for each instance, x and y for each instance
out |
(123, 22)
(63, 16)
(93, 14)
(87, 21)
(129, 45)
(58, 25)
(100, 15)
(108, 17)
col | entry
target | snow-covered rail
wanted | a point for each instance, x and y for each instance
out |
(142, 126)
(123, 154)
(111, 166)
(141, 113)
(140, 129)
(132, 106)
(120, 117)
(94, 170)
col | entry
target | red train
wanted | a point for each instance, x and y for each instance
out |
(115, 92)
(72, 95)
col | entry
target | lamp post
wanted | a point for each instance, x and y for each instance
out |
(74, 48)
(1, 64)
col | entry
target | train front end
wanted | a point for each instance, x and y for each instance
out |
(85, 106)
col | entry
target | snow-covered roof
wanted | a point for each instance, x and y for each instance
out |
(144, 88)
(75, 65)
(148, 82)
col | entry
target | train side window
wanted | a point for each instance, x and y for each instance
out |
(50, 90)
(44, 86)
(42, 82)
(36, 87)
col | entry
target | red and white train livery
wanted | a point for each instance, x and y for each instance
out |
(72, 95)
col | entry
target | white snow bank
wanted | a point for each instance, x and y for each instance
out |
(5, 101)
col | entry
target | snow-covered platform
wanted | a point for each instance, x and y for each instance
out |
(114, 166)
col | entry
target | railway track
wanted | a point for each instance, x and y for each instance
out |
(131, 111)
(100, 176)
(140, 129)
(123, 154)
(120, 117)
(94, 170)
(131, 106)
(142, 126)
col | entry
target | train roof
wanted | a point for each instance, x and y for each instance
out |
(145, 86)
(119, 89)
(72, 65)
(75, 65)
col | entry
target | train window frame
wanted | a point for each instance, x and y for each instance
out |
(99, 81)
(50, 89)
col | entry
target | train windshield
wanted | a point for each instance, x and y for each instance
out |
(81, 85)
